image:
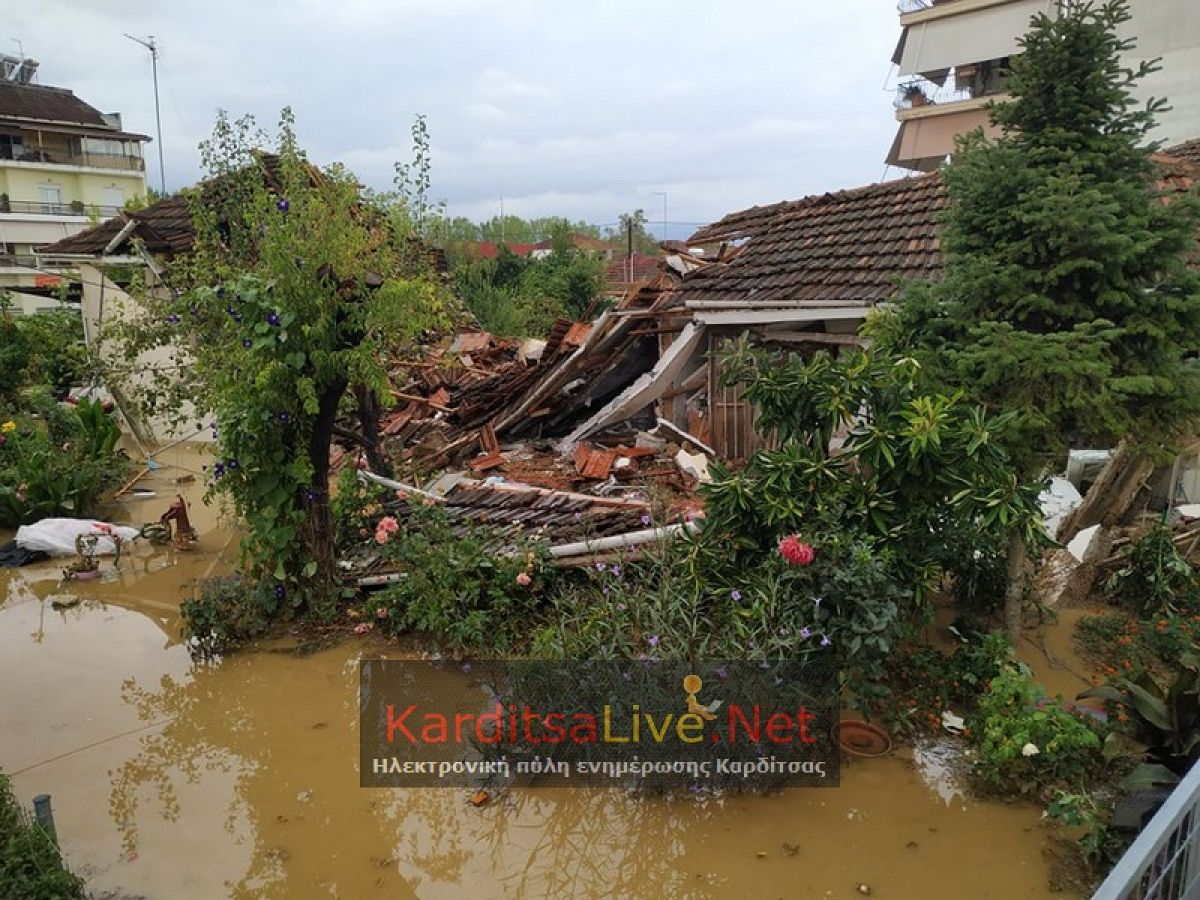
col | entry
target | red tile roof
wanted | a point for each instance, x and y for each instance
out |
(846, 247)
(627, 270)
(491, 249)
(1189, 150)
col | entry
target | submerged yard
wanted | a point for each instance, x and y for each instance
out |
(190, 780)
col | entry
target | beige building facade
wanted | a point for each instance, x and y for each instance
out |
(953, 59)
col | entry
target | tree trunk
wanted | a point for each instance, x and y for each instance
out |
(1109, 501)
(1014, 591)
(369, 412)
(319, 537)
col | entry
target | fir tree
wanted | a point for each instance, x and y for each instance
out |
(1065, 296)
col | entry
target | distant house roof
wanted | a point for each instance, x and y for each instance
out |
(491, 249)
(36, 103)
(579, 242)
(627, 270)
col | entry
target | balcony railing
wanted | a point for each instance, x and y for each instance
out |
(910, 6)
(37, 208)
(72, 158)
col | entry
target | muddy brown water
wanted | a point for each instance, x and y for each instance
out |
(177, 780)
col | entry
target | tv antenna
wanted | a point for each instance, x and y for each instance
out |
(150, 44)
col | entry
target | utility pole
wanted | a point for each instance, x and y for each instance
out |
(629, 239)
(503, 229)
(150, 45)
(664, 196)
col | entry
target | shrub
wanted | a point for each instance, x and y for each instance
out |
(225, 612)
(30, 865)
(928, 680)
(681, 602)
(1158, 577)
(1029, 742)
(456, 587)
(58, 464)
(57, 353)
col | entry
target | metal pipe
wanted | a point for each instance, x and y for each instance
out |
(630, 539)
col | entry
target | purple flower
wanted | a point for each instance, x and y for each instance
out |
(273, 318)
(247, 343)
(283, 206)
(466, 667)
(599, 567)
(620, 606)
(310, 495)
(806, 632)
(645, 519)
(825, 641)
(231, 463)
(279, 591)
(652, 640)
(735, 595)
(722, 672)
(218, 470)
(173, 319)
(578, 516)
(284, 418)
(616, 570)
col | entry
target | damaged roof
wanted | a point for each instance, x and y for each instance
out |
(165, 226)
(846, 247)
(851, 247)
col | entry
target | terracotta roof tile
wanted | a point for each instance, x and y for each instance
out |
(852, 246)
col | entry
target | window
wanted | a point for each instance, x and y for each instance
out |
(51, 197)
(111, 198)
(11, 146)
(104, 147)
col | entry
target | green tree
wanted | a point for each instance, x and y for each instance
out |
(297, 294)
(1065, 296)
(632, 225)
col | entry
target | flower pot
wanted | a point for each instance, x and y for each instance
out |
(862, 739)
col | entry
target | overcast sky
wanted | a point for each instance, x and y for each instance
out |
(582, 109)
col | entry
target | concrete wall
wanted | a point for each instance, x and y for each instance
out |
(1170, 29)
(104, 301)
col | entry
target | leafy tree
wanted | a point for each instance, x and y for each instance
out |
(634, 224)
(1065, 296)
(295, 297)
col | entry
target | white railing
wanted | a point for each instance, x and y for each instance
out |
(1164, 862)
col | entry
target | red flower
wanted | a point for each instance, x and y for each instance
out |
(795, 551)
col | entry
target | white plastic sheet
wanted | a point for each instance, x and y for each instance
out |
(57, 536)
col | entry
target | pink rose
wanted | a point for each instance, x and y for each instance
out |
(363, 627)
(382, 537)
(381, 613)
(524, 580)
(388, 524)
(795, 551)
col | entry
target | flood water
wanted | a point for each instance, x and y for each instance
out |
(177, 780)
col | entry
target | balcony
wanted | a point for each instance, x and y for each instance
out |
(71, 157)
(37, 208)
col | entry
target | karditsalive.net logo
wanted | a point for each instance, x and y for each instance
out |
(426, 724)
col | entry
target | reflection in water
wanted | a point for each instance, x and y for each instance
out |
(190, 782)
